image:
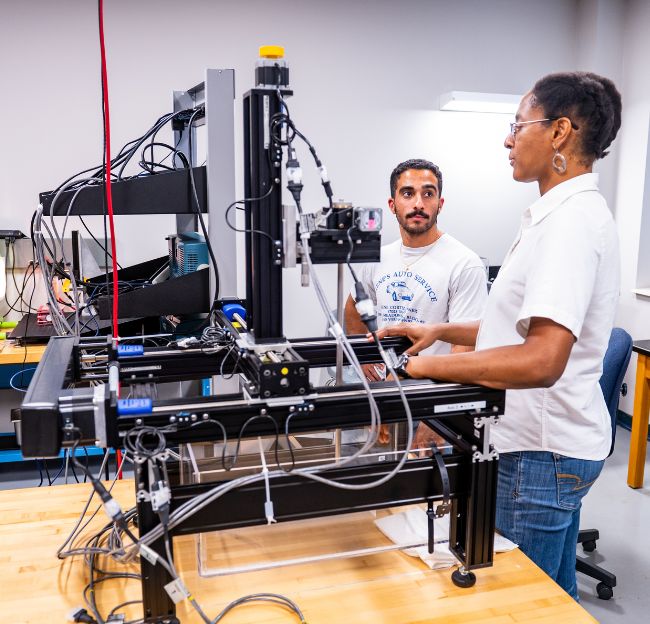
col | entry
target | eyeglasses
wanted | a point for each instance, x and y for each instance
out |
(515, 125)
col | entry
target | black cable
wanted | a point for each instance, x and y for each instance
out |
(39, 465)
(24, 337)
(244, 230)
(152, 162)
(21, 291)
(350, 251)
(120, 606)
(288, 439)
(87, 463)
(232, 348)
(106, 252)
(58, 474)
(47, 472)
(235, 455)
(280, 119)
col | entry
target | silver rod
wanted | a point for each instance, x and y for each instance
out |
(426, 385)
(240, 320)
(338, 435)
(273, 357)
(340, 319)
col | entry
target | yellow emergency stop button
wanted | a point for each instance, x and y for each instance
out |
(271, 51)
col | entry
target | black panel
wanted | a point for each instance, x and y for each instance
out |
(187, 294)
(163, 193)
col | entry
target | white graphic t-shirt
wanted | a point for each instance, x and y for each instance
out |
(443, 282)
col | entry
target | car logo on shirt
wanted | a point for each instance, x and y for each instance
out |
(399, 291)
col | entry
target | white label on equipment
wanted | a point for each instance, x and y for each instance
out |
(266, 106)
(176, 590)
(140, 369)
(458, 407)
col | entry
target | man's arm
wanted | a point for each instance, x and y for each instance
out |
(537, 363)
(353, 323)
(467, 300)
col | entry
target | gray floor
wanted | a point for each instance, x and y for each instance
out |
(622, 516)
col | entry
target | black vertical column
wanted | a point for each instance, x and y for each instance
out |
(156, 602)
(263, 173)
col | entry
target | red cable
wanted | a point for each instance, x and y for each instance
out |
(118, 461)
(107, 179)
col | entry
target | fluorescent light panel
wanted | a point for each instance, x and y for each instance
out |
(475, 102)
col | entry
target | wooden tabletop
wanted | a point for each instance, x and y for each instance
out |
(641, 346)
(388, 588)
(10, 353)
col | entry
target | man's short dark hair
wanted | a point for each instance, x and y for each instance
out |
(414, 163)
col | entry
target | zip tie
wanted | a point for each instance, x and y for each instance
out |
(268, 504)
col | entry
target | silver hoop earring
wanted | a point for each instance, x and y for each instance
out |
(559, 162)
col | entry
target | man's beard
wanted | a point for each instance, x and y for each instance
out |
(414, 228)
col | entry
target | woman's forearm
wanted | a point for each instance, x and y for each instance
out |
(538, 362)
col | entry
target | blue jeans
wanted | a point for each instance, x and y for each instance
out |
(539, 496)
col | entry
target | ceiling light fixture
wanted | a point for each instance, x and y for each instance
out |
(475, 102)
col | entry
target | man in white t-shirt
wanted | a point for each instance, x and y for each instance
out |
(426, 276)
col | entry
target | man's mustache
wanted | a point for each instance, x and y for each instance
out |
(417, 213)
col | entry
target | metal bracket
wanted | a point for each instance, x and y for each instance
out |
(99, 398)
(481, 421)
(478, 456)
(487, 453)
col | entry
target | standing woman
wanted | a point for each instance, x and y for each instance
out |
(547, 322)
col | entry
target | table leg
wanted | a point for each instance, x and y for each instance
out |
(639, 438)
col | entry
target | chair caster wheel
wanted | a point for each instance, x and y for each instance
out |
(605, 592)
(589, 545)
(461, 578)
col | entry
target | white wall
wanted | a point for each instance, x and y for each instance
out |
(634, 310)
(367, 77)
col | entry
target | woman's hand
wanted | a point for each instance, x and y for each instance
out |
(424, 438)
(421, 335)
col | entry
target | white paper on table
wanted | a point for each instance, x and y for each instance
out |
(411, 527)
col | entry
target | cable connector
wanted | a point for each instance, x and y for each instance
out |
(324, 179)
(365, 307)
(79, 614)
(294, 176)
(184, 343)
(111, 506)
(268, 504)
(160, 494)
(149, 554)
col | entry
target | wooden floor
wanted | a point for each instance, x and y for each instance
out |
(385, 588)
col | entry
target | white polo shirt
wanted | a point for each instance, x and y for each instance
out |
(564, 266)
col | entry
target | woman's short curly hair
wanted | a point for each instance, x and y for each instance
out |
(590, 101)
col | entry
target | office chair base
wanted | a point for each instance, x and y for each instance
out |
(604, 589)
(588, 538)
(605, 592)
